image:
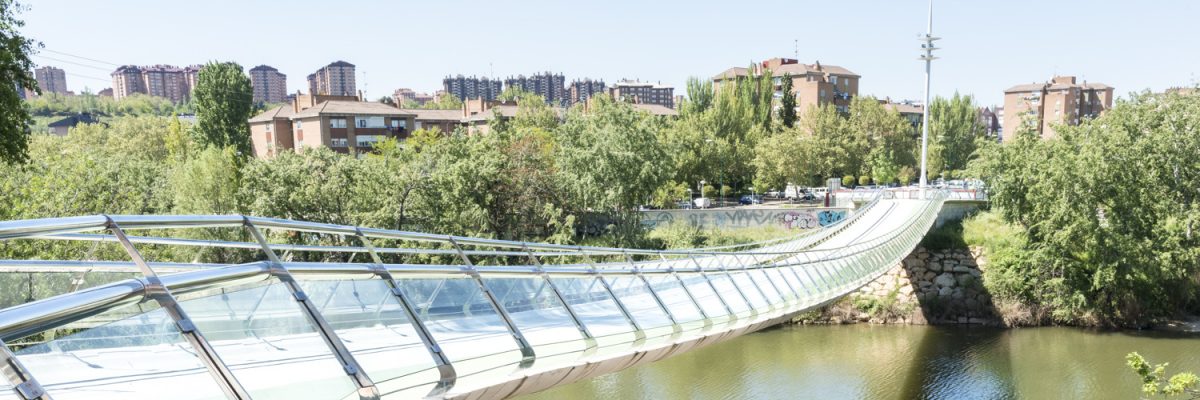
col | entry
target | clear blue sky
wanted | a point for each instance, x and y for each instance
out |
(987, 46)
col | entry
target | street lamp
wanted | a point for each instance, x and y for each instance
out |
(928, 57)
(702, 182)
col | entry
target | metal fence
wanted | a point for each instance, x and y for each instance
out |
(278, 328)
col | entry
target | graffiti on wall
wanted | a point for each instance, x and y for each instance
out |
(788, 218)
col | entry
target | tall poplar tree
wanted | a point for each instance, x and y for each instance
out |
(224, 101)
(787, 106)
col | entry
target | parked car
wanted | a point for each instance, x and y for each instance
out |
(684, 205)
(750, 199)
(702, 202)
(773, 193)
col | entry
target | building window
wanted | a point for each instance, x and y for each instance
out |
(369, 122)
(337, 122)
(366, 141)
(833, 79)
(340, 142)
(399, 123)
(269, 126)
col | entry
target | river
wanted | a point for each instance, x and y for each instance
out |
(899, 362)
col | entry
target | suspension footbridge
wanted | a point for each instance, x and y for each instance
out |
(391, 314)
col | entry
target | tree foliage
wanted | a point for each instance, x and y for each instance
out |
(869, 140)
(15, 67)
(954, 133)
(787, 105)
(1109, 209)
(53, 104)
(1155, 382)
(224, 101)
(445, 101)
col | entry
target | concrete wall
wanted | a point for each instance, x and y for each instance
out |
(789, 218)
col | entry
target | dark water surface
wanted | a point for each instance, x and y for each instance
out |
(899, 362)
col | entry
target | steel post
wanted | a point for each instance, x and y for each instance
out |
(366, 387)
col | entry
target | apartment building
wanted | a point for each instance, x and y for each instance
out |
(552, 87)
(812, 84)
(270, 86)
(1040, 106)
(643, 93)
(166, 81)
(335, 79)
(405, 95)
(191, 76)
(51, 80)
(342, 123)
(127, 80)
(472, 88)
(582, 90)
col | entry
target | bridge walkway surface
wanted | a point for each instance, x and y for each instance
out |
(472, 328)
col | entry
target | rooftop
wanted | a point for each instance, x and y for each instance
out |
(1057, 83)
(283, 111)
(350, 108)
(73, 120)
(435, 115)
(793, 69)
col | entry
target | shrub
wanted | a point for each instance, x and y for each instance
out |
(864, 180)
(848, 181)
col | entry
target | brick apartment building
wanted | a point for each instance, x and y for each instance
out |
(1060, 101)
(167, 81)
(335, 79)
(472, 88)
(643, 93)
(552, 87)
(270, 86)
(812, 84)
(582, 90)
(127, 80)
(50, 80)
(342, 123)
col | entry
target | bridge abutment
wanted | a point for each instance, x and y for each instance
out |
(930, 286)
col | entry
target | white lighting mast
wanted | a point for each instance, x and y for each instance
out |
(928, 57)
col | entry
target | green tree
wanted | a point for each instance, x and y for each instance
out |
(15, 68)
(445, 101)
(610, 158)
(954, 127)
(224, 101)
(1154, 381)
(787, 106)
(884, 135)
(699, 96)
(1109, 212)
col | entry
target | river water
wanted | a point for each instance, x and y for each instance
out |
(899, 362)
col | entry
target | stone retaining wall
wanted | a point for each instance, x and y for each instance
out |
(928, 287)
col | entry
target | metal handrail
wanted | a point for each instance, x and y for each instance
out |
(835, 271)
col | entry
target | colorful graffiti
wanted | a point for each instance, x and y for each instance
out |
(789, 218)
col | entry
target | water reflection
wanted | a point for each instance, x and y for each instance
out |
(898, 362)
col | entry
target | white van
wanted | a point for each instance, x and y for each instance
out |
(792, 192)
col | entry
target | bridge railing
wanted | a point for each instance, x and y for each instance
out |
(340, 329)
